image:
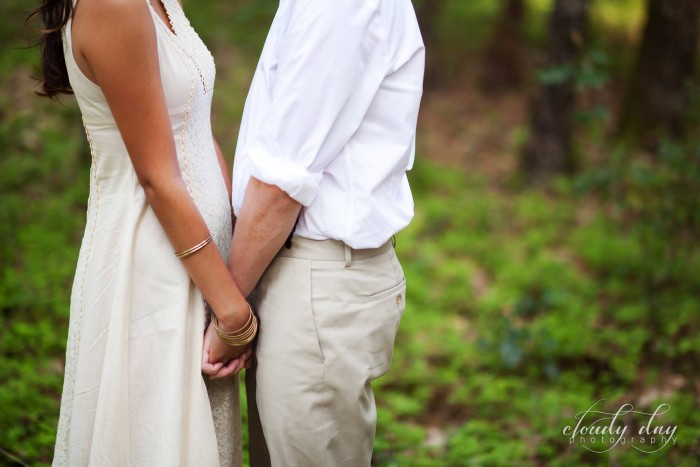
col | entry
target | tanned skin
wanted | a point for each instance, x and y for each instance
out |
(122, 58)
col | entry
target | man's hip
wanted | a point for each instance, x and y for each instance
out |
(329, 315)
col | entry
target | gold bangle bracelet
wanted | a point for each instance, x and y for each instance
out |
(240, 337)
(242, 328)
(194, 249)
(242, 340)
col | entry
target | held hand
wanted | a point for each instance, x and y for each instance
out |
(220, 360)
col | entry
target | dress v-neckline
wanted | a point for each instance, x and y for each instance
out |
(179, 32)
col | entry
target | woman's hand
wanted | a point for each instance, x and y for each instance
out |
(219, 359)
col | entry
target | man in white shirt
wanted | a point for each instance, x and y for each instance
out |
(326, 139)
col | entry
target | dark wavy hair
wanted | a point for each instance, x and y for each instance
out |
(53, 75)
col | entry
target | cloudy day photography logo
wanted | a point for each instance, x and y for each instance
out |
(600, 431)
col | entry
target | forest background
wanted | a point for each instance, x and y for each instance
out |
(553, 262)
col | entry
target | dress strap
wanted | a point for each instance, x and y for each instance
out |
(70, 57)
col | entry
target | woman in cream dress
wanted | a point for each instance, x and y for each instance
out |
(134, 393)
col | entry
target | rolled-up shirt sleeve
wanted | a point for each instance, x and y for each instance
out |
(328, 68)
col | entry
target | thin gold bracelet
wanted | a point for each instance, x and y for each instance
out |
(241, 331)
(242, 336)
(242, 340)
(194, 249)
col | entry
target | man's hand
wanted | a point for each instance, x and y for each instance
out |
(220, 360)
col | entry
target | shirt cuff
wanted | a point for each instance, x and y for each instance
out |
(292, 178)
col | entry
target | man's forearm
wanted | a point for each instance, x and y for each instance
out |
(267, 217)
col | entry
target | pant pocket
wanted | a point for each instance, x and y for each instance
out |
(383, 317)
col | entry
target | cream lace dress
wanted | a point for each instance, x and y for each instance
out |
(133, 393)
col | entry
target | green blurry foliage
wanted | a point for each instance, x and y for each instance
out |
(523, 311)
(43, 189)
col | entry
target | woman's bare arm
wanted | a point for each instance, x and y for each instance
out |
(122, 57)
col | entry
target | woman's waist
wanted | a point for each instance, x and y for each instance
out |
(111, 161)
(118, 213)
(116, 190)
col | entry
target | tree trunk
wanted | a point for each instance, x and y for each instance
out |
(502, 61)
(428, 12)
(548, 151)
(656, 100)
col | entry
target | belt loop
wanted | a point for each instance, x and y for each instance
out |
(348, 256)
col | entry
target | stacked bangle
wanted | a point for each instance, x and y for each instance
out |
(242, 336)
(194, 249)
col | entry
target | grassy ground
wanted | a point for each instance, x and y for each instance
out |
(525, 305)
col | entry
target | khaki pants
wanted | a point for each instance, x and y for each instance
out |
(328, 319)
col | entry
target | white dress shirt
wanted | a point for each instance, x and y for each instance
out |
(331, 116)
